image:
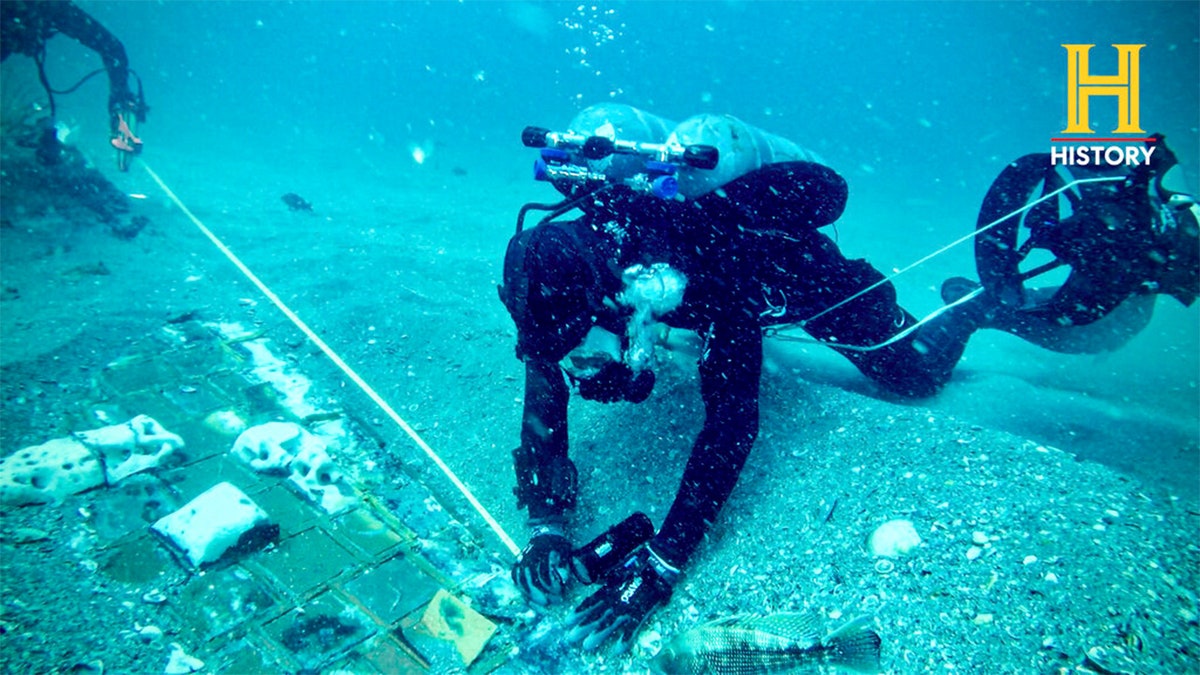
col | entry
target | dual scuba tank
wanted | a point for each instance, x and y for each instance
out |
(613, 143)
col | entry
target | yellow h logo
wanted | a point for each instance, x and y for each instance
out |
(1082, 85)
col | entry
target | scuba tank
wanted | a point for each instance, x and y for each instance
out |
(617, 121)
(609, 143)
(614, 144)
(741, 148)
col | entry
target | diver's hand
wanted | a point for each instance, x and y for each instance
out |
(617, 382)
(594, 560)
(122, 116)
(125, 103)
(641, 585)
(543, 570)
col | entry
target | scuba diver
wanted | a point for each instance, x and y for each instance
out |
(26, 26)
(712, 226)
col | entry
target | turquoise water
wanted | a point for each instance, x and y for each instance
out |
(905, 98)
(919, 105)
(401, 123)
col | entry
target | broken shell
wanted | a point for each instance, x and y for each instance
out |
(182, 663)
(150, 634)
(1094, 659)
(155, 597)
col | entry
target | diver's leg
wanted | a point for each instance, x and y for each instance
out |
(916, 365)
(1047, 329)
(939, 343)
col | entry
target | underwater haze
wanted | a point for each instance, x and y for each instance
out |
(939, 93)
(400, 124)
(918, 104)
(808, 70)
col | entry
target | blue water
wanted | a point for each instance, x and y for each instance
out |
(918, 104)
(929, 96)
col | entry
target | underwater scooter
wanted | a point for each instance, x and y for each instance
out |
(1115, 236)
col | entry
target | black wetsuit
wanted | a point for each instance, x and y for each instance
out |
(753, 257)
(25, 26)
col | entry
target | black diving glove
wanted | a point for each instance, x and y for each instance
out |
(543, 571)
(642, 584)
(593, 561)
(617, 382)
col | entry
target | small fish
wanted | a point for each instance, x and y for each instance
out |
(778, 643)
(296, 203)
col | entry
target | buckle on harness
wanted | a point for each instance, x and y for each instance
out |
(773, 310)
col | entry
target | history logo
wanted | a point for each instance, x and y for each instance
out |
(1080, 146)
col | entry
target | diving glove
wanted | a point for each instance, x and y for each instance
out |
(593, 561)
(548, 566)
(543, 571)
(642, 584)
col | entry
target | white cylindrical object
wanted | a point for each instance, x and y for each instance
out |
(621, 122)
(742, 148)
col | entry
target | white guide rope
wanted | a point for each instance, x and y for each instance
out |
(345, 368)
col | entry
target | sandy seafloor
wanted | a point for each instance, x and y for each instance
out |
(1081, 471)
